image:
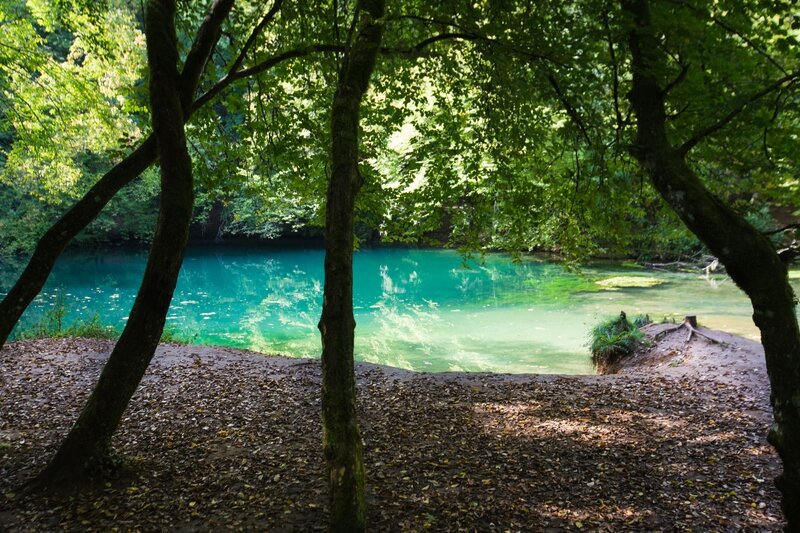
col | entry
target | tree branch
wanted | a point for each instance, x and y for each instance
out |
(678, 80)
(254, 35)
(721, 123)
(419, 47)
(476, 36)
(336, 21)
(678, 113)
(267, 64)
(781, 230)
(472, 35)
(571, 111)
(614, 77)
(275, 60)
(204, 43)
(727, 27)
(351, 30)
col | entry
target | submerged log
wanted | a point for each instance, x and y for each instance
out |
(702, 263)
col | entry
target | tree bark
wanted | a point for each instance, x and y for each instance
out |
(341, 439)
(750, 259)
(89, 439)
(89, 206)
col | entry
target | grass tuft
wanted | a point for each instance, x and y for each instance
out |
(615, 338)
(53, 325)
(174, 336)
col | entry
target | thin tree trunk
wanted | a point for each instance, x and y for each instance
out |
(52, 244)
(750, 259)
(88, 440)
(54, 241)
(341, 439)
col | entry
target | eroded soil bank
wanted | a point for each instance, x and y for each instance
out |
(230, 440)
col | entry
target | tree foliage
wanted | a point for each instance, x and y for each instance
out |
(72, 96)
(489, 126)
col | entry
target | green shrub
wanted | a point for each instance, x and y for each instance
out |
(53, 325)
(614, 338)
(92, 328)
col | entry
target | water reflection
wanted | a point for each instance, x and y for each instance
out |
(420, 309)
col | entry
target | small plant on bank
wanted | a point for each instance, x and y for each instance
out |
(639, 321)
(53, 325)
(174, 336)
(92, 328)
(615, 338)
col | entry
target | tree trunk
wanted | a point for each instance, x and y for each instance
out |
(749, 257)
(88, 441)
(65, 229)
(341, 439)
(87, 208)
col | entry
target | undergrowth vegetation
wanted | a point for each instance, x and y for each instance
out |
(615, 338)
(54, 324)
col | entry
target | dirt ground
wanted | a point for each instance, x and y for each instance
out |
(224, 439)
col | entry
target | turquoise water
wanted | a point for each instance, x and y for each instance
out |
(416, 309)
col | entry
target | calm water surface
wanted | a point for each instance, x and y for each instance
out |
(416, 309)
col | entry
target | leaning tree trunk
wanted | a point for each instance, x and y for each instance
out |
(341, 439)
(89, 206)
(64, 230)
(749, 257)
(88, 440)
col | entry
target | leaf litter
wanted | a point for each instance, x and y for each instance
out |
(224, 439)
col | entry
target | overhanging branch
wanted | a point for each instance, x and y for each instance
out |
(743, 104)
(571, 111)
(237, 63)
(678, 79)
(730, 29)
(419, 47)
(474, 35)
(204, 43)
(235, 75)
(614, 77)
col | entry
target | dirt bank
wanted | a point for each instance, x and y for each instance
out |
(712, 355)
(226, 439)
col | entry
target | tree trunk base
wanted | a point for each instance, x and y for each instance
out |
(68, 476)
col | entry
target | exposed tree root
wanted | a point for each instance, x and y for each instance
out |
(690, 323)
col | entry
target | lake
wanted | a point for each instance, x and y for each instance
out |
(416, 309)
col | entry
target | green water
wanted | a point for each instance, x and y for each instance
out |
(416, 309)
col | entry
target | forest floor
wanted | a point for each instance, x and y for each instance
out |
(223, 439)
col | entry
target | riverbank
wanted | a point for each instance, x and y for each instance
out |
(228, 439)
